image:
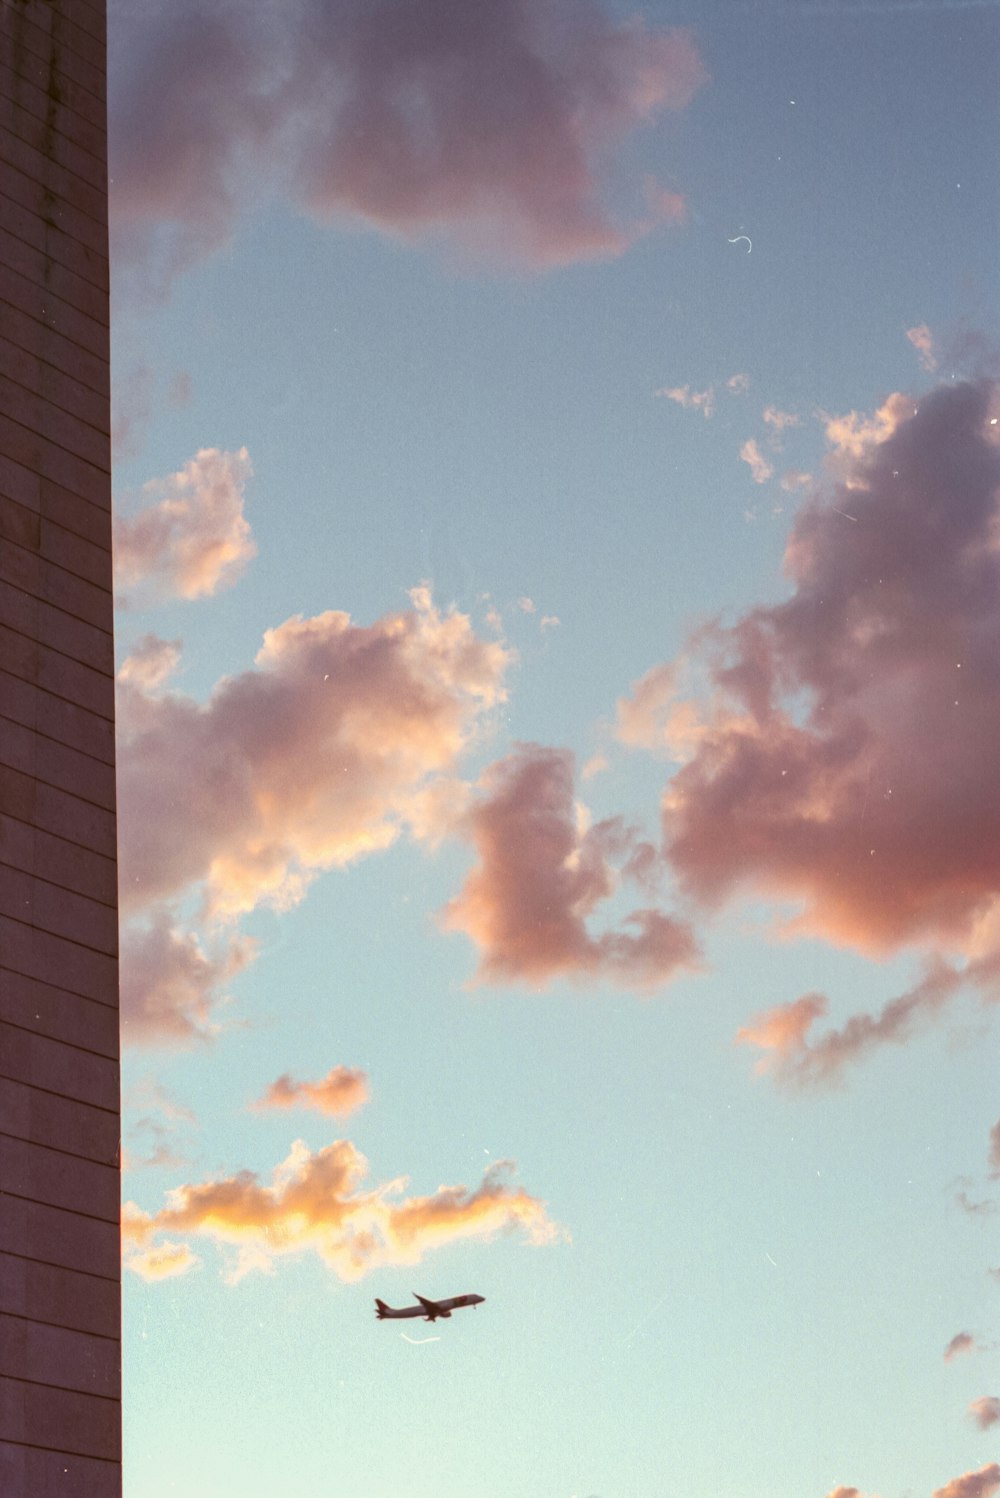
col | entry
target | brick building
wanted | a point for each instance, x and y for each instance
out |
(59, 1109)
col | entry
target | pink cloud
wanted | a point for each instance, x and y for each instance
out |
(923, 341)
(985, 1412)
(342, 1091)
(794, 1057)
(961, 1342)
(490, 125)
(319, 1203)
(194, 538)
(761, 470)
(694, 400)
(171, 986)
(846, 762)
(980, 1484)
(540, 878)
(308, 761)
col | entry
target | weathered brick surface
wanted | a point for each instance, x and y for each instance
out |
(59, 1100)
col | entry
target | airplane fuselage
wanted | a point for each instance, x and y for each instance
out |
(430, 1310)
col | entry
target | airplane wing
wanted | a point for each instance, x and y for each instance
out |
(433, 1308)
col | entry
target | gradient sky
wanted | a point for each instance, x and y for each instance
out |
(556, 475)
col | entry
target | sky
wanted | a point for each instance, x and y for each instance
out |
(558, 563)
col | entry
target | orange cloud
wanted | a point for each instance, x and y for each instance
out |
(492, 127)
(193, 539)
(342, 1091)
(540, 878)
(317, 1203)
(163, 1261)
(980, 1484)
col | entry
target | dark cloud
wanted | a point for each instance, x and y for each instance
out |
(492, 125)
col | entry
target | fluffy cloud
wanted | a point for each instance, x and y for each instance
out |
(162, 1261)
(961, 1342)
(980, 1484)
(170, 985)
(193, 538)
(343, 1090)
(318, 1203)
(540, 877)
(339, 738)
(846, 755)
(306, 762)
(985, 1412)
(490, 124)
(778, 420)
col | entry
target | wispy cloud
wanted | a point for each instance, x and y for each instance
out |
(342, 1091)
(192, 537)
(171, 984)
(761, 470)
(961, 1342)
(693, 400)
(923, 341)
(319, 1203)
(491, 126)
(540, 878)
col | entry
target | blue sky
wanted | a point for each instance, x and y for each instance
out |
(600, 644)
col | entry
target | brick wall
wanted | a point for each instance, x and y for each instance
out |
(59, 1127)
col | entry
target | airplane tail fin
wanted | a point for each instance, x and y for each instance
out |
(380, 1309)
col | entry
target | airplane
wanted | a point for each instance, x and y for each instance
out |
(429, 1309)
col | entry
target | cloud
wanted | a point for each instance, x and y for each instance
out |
(155, 1135)
(310, 760)
(738, 384)
(171, 986)
(760, 469)
(342, 1091)
(843, 1492)
(194, 538)
(163, 1261)
(995, 1149)
(846, 751)
(980, 1484)
(961, 1342)
(540, 878)
(694, 400)
(780, 420)
(923, 341)
(985, 1412)
(148, 666)
(795, 478)
(490, 125)
(794, 1058)
(318, 1203)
